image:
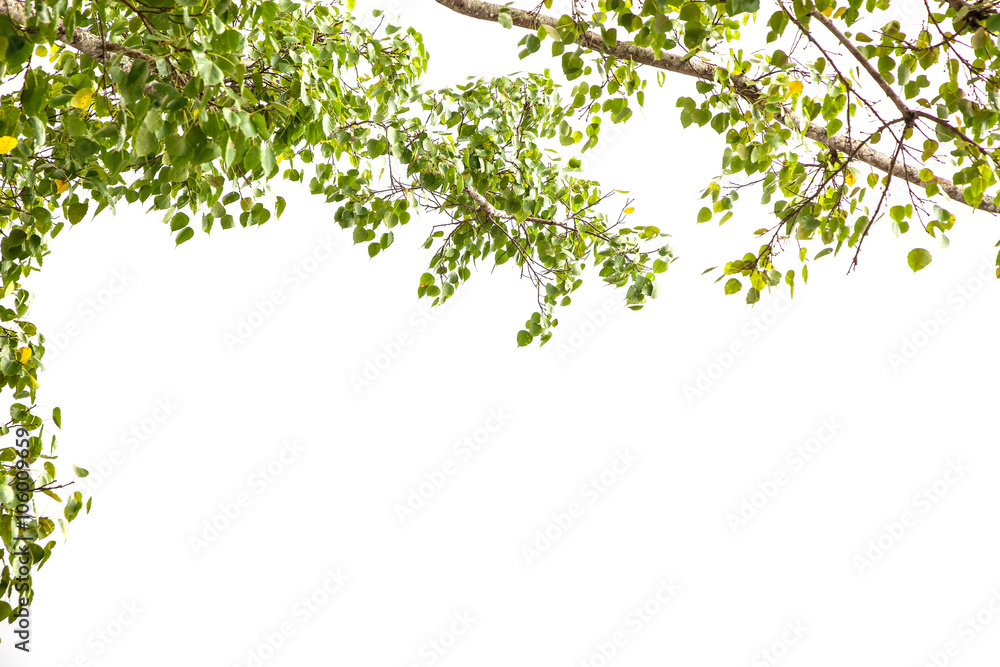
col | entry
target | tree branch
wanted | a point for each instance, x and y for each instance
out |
(87, 43)
(971, 14)
(697, 68)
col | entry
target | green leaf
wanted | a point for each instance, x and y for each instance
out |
(35, 93)
(57, 416)
(329, 126)
(74, 125)
(918, 259)
(268, 160)
(930, 148)
(76, 212)
(733, 286)
(734, 7)
(146, 141)
(185, 235)
(979, 38)
(209, 72)
(524, 338)
(37, 129)
(179, 221)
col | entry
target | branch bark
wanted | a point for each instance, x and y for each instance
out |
(697, 68)
(98, 49)
(81, 40)
(974, 13)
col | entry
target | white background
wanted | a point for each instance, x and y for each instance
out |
(605, 386)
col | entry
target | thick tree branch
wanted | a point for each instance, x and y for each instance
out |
(81, 40)
(972, 14)
(694, 67)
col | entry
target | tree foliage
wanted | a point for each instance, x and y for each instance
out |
(191, 108)
(825, 107)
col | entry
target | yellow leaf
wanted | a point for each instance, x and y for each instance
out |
(850, 179)
(82, 99)
(23, 354)
(61, 186)
(630, 210)
(828, 11)
(795, 87)
(279, 159)
(7, 144)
